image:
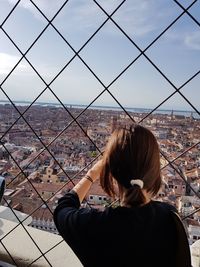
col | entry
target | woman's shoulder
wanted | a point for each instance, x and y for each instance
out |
(164, 210)
(109, 213)
(164, 205)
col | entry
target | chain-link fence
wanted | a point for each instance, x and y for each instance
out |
(36, 177)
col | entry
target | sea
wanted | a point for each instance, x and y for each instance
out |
(186, 113)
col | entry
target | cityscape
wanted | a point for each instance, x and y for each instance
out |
(47, 150)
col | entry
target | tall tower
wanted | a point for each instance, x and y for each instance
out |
(191, 116)
(172, 115)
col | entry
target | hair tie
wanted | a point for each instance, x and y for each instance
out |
(138, 182)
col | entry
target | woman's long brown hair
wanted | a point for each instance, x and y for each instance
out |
(131, 154)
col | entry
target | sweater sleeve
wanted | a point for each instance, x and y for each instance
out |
(71, 220)
(68, 200)
(65, 210)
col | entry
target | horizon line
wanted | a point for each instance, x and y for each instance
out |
(95, 106)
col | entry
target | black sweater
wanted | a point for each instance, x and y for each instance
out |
(118, 237)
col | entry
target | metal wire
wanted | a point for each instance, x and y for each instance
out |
(13, 260)
(74, 119)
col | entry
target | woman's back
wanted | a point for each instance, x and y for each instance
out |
(139, 236)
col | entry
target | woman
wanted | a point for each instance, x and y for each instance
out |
(139, 232)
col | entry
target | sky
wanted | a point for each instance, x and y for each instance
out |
(176, 53)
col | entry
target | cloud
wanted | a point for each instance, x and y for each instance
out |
(136, 17)
(49, 7)
(7, 62)
(192, 40)
(183, 39)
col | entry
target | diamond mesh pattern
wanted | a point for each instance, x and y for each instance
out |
(75, 118)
